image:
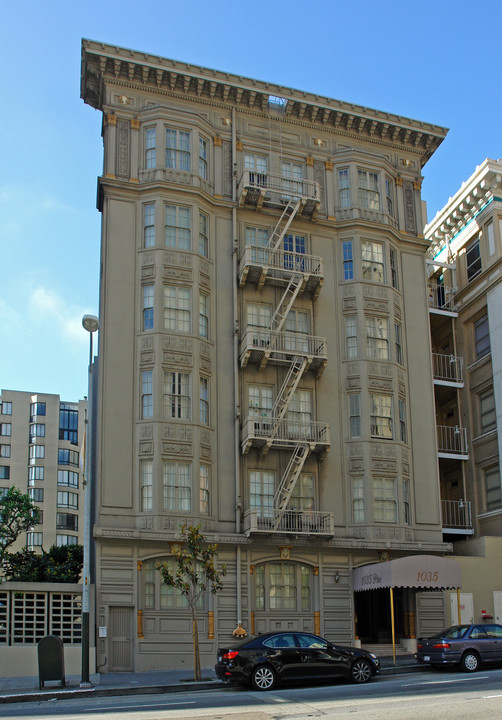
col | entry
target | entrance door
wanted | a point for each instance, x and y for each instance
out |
(121, 639)
(374, 617)
(466, 609)
(497, 606)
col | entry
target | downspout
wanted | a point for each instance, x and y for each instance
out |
(239, 630)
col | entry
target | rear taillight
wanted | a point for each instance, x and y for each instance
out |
(420, 646)
(441, 646)
(230, 655)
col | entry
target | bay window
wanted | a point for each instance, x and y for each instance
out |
(178, 149)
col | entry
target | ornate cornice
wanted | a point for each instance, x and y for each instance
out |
(107, 64)
(484, 185)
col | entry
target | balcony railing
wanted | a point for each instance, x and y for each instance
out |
(268, 189)
(447, 369)
(441, 298)
(456, 515)
(260, 264)
(452, 441)
(298, 522)
(285, 433)
(263, 345)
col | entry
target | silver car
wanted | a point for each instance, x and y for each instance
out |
(465, 645)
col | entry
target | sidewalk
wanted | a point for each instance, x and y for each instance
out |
(26, 689)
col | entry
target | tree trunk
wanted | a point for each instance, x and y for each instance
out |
(196, 652)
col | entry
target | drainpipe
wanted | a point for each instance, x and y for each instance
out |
(239, 631)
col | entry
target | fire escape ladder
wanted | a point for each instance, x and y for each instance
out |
(285, 221)
(293, 376)
(291, 475)
(286, 302)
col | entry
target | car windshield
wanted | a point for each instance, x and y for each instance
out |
(455, 632)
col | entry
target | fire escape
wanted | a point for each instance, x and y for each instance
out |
(281, 265)
(448, 379)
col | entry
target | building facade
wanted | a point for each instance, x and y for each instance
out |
(265, 358)
(40, 442)
(465, 295)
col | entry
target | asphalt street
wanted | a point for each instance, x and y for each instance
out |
(447, 695)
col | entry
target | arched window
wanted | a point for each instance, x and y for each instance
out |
(282, 586)
(156, 594)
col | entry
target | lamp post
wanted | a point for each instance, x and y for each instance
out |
(91, 324)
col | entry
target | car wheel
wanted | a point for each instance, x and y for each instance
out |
(469, 662)
(263, 678)
(360, 671)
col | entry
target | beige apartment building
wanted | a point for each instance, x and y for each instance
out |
(465, 300)
(40, 440)
(265, 360)
(40, 453)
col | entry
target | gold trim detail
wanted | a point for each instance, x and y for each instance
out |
(239, 146)
(399, 181)
(285, 552)
(210, 624)
(239, 632)
(140, 625)
(139, 565)
(111, 119)
(329, 165)
(412, 625)
(252, 623)
(251, 569)
(417, 185)
(309, 161)
(135, 124)
(316, 569)
(317, 622)
(217, 141)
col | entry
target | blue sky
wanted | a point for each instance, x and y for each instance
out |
(438, 62)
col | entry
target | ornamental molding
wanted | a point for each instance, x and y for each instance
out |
(232, 540)
(104, 64)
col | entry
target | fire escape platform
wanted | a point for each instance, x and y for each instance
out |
(270, 433)
(260, 265)
(270, 521)
(263, 346)
(268, 190)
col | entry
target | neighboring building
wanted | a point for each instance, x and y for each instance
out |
(40, 442)
(465, 295)
(265, 361)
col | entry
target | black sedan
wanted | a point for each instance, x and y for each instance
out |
(465, 645)
(267, 659)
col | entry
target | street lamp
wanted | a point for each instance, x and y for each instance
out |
(91, 324)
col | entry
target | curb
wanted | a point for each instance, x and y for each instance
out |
(38, 696)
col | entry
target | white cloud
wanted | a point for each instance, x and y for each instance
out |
(30, 200)
(10, 318)
(49, 309)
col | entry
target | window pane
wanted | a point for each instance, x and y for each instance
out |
(372, 261)
(473, 259)
(177, 395)
(381, 416)
(482, 337)
(177, 486)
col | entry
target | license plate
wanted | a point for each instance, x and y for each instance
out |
(427, 658)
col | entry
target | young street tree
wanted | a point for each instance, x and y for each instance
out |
(17, 514)
(194, 573)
